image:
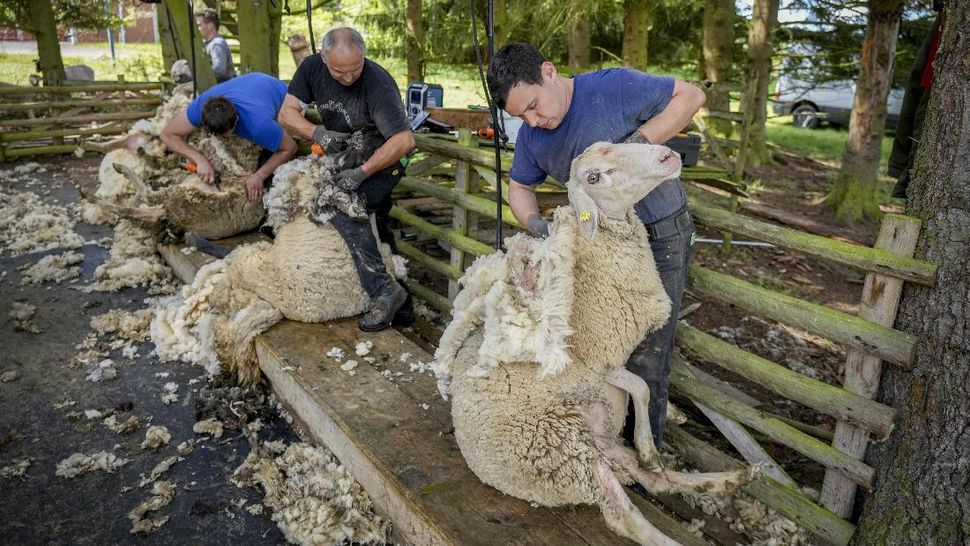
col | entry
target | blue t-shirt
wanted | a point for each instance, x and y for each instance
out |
(607, 106)
(257, 98)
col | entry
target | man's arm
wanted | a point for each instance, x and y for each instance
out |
(175, 136)
(685, 102)
(389, 152)
(292, 120)
(525, 208)
(254, 182)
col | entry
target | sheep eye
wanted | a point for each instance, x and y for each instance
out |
(593, 177)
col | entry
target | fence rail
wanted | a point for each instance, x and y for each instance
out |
(731, 410)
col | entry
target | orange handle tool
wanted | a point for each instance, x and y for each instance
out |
(317, 149)
(487, 132)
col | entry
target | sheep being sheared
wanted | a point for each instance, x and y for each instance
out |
(305, 274)
(535, 356)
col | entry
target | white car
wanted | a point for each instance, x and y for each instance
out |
(809, 104)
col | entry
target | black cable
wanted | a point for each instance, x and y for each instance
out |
(498, 133)
(195, 76)
(309, 20)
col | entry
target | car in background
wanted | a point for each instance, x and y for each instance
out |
(811, 103)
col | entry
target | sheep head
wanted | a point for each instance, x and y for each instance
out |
(610, 178)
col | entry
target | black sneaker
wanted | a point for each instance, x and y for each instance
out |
(206, 246)
(386, 305)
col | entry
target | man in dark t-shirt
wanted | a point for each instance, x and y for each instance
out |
(563, 117)
(360, 106)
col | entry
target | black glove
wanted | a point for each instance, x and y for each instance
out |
(636, 137)
(537, 226)
(350, 179)
(332, 141)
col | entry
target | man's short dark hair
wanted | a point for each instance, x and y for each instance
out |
(219, 116)
(209, 16)
(512, 65)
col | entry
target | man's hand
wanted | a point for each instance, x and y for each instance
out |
(537, 226)
(205, 171)
(636, 137)
(350, 179)
(254, 187)
(332, 141)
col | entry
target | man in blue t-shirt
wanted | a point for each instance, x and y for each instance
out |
(245, 106)
(564, 116)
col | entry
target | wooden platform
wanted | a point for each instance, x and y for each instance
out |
(393, 431)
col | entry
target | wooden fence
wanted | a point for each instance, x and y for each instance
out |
(54, 120)
(868, 338)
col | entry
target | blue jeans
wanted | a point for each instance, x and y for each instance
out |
(672, 249)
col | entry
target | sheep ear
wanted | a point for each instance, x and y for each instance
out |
(585, 208)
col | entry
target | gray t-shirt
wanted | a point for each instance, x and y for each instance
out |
(218, 51)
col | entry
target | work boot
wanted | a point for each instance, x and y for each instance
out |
(386, 305)
(405, 315)
(206, 246)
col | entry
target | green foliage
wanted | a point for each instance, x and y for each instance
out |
(80, 14)
(825, 143)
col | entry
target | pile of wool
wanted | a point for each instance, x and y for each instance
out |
(79, 463)
(22, 315)
(126, 327)
(94, 214)
(28, 224)
(162, 494)
(133, 262)
(53, 268)
(313, 497)
(155, 437)
(16, 469)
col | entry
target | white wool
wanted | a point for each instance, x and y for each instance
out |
(174, 330)
(101, 371)
(162, 495)
(349, 365)
(79, 463)
(29, 224)
(313, 498)
(131, 326)
(92, 414)
(22, 315)
(155, 437)
(94, 214)
(8, 376)
(126, 427)
(29, 167)
(211, 426)
(363, 348)
(161, 468)
(16, 469)
(336, 353)
(53, 268)
(113, 186)
(133, 262)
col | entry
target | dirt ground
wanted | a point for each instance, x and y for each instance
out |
(43, 416)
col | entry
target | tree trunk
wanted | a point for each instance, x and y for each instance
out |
(764, 18)
(501, 24)
(854, 194)
(716, 56)
(166, 37)
(579, 43)
(415, 41)
(923, 472)
(636, 25)
(259, 37)
(48, 48)
(181, 19)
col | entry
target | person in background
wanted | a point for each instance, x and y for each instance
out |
(215, 45)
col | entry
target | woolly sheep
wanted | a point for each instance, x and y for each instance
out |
(305, 274)
(577, 307)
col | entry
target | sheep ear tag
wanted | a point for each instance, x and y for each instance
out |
(585, 209)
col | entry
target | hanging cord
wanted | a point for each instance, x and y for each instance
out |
(309, 20)
(499, 132)
(195, 76)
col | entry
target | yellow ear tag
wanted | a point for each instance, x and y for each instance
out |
(584, 216)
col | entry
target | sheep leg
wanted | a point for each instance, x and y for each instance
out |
(642, 435)
(149, 215)
(621, 515)
(141, 190)
(671, 481)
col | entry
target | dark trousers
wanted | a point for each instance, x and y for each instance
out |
(671, 241)
(376, 192)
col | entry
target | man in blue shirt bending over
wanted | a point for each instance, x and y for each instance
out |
(566, 115)
(245, 106)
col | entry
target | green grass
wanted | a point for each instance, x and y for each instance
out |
(825, 143)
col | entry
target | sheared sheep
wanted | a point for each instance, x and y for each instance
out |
(577, 306)
(305, 274)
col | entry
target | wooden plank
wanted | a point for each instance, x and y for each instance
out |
(442, 234)
(461, 118)
(77, 120)
(421, 167)
(873, 260)
(184, 265)
(462, 220)
(93, 88)
(402, 454)
(714, 528)
(880, 300)
(747, 446)
(869, 414)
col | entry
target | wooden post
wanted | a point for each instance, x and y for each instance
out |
(880, 300)
(463, 219)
